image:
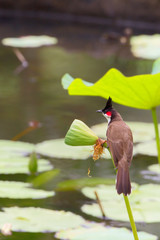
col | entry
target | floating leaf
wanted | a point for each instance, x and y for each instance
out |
(141, 131)
(29, 41)
(14, 165)
(21, 190)
(154, 168)
(139, 91)
(79, 134)
(11, 148)
(45, 177)
(75, 184)
(39, 220)
(57, 148)
(96, 231)
(146, 46)
(144, 200)
(146, 148)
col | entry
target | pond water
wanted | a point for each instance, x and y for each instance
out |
(36, 94)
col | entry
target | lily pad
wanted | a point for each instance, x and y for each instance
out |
(14, 165)
(21, 190)
(141, 131)
(146, 148)
(75, 184)
(140, 91)
(32, 219)
(58, 149)
(144, 200)
(146, 46)
(154, 168)
(11, 148)
(96, 231)
(29, 41)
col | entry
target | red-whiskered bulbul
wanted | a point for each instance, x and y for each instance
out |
(120, 143)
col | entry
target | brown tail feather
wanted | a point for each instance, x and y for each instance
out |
(123, 184)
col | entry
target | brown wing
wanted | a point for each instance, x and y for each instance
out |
(120, 141)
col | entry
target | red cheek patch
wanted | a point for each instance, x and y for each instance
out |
(108, 114)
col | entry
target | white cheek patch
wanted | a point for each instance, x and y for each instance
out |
(107, 117)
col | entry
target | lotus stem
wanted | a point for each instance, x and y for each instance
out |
(155, 121)
(129, 210)
(130, 215)
(100, 205)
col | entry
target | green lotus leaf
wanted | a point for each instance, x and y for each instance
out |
(14, 165)
(154, 168)
(156, 66)
(141, 131)
(79, 134)
(76, 184)
(58, 149)
(12, 148)
(140, 91)
(144, 200)
(29, 41)
(21, 190)
(146, 46)
(94, 231)
(67, 80)
(30, 219)
(146, 148)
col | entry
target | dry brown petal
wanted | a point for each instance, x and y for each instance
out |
(98, 149)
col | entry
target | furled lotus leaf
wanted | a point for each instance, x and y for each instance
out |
(29, 41)
(76, 184)
(21, 190)
(144, 200)
(146, 46)
(33, 163)
(30, 219)
(58, 149)
(79, 134)
(94, 231)
(45, 177)
(140, 91)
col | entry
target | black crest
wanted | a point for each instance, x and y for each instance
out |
(108, 105)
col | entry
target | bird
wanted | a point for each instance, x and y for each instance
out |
(120, 143)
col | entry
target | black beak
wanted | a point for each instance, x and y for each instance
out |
(99, 111)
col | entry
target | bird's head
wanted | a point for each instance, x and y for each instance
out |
(107, 110)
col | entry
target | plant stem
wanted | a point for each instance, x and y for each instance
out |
(130, 215)
(100, 205)
(129, 210)
(154, 116)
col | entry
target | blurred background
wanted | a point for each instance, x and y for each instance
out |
(91, 36)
